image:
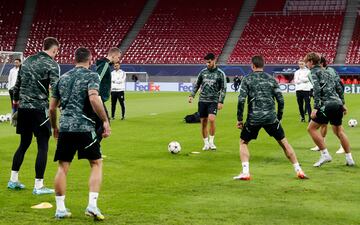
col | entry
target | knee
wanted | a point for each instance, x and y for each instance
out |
(96, 163)
(212, 119)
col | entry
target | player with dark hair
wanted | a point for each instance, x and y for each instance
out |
(329, 106)
(261, 89)
(103, 69)
(323, 128)
(77, 93)
(212, 82)
(31, 93)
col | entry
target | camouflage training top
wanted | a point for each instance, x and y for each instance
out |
(261, 91)
(72, 91)
(37, 73)
(213, 85)
(327, 88)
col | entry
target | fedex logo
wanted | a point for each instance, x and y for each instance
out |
(185, 87)
(147, 87)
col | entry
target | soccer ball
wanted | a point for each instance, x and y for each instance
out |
(352, 123)
(2, 118)
(8, 117)
(174, 147)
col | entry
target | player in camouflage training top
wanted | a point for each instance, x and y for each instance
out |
(212, 84)
(31, 93)
(77, 94)
(103, 69)
(329, 106)
(323, 128)
(261, 90)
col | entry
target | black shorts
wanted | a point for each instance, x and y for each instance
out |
(332, 114)
(34, 121)
(85, 143)
(206, 108)
(250, 132)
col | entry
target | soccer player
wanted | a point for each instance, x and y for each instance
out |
(261, 90)
(303, 87)
(12, 80)
(212, 82)
(329, 106)
(77, 93)
(103, 69)
(323, 128)
(118, 82)
(31, 93)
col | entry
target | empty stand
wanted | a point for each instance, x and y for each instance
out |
(353, 55)
(183, 31)
(269, 6)
(10, 18)
(93, 24)
(315, 5)
(284, 39)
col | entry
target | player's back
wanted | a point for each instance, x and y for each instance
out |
(73, 89)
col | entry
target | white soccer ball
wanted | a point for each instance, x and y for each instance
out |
(2, 118)
(8, 117)
(352, 122)
(174, 147)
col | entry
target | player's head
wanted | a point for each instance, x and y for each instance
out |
(323, 62)
(51, 46)
(83, 57)
(312, 59)
(17, 63)
(210, 60)
(117, 65)
(257, 62)
(114, 55)
(301, 64)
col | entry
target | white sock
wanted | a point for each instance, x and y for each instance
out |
(324, 152)
(245, 167)
(60, 203)
(39, 183)
(14, 177)
(211, 139)
(297, 167)
(348, 156)
(93, 196)
(206, 141)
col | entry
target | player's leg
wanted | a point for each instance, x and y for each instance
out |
(94, 187)
(203, 112)
(307, 103)
(212, 128)
(313, 127)
(300, 102)
(122, 104)
(18, 158)
(40, 164)
(275, 130)
(336, 121)
(323, 132)
(65, 151)
(212, 111)
(11, 93)
(247, 134)
(113, 104)
(60, 190)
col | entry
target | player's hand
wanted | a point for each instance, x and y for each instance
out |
(220, 106)
(191, 99)
(345, 110)
(240, 125)
(313, 113)
(107, 130)
(56, 133)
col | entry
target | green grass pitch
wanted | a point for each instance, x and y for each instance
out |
(144, 184)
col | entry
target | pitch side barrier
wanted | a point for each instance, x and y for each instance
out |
(188, 87)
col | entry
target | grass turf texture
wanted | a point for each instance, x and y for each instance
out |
(145, 184)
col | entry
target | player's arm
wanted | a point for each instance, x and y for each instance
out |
(279, 99)
(98, 108)
(223, 87)
(316, 89)
(16, 89)
(54, 74)
(241, 102)
(296, 77)
(196, 87)
(54, 104)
